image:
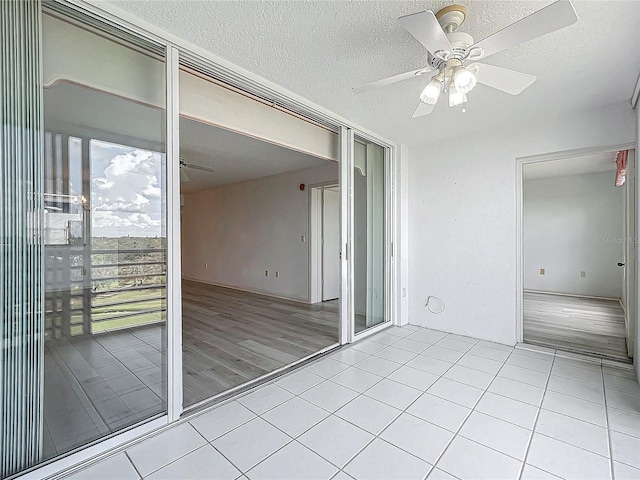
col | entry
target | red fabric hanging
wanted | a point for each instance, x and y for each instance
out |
(621, 170)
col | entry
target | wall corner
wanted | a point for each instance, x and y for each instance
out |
(403, 235)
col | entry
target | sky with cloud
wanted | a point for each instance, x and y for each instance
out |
(126, 191)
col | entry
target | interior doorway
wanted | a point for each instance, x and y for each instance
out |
(578, 228)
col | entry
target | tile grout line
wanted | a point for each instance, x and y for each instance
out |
(295, 439)
(243, 472)
(455, 434)
(606, 419)
(535, 422)
(126, 454)
(175, 460)
(377, 436)
(402, 411)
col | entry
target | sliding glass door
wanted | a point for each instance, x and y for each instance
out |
(370, 231)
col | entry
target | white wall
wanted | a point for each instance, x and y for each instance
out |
(574, 223)
(462, 218)
(243, 229)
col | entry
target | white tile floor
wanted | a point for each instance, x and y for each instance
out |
(410, 403)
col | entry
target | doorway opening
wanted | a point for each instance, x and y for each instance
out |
(579, 237)
(245, 207)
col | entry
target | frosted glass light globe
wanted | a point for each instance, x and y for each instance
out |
(431, 92)
(456, 98)
(464, 80)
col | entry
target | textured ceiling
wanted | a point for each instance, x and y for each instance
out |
(321, 49)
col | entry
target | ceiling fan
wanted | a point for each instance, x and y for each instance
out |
(184, 166)
(452, 55)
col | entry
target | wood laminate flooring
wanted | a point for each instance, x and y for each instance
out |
(587, 325)
(231, 337)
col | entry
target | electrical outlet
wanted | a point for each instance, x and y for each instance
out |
(266, 273)
(302, 239)
(583, 274)
(542, 271)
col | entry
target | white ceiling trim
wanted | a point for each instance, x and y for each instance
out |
(256, 137)
(211, 103)
(577, 152)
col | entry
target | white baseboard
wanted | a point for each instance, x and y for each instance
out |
(560, 294)
(248, 290)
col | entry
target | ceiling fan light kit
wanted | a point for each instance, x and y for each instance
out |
(452, 55)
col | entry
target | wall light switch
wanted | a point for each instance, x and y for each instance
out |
(302, 239)
(542, 271)
(277, 274)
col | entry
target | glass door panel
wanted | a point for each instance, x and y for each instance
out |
(104, 232)
(369, 234)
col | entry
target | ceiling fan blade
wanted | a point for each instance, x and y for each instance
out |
(202, 168)
(390, 80)
(502, 79)
(422, 109)
(183, 176)
(425, 27)
(551, 18)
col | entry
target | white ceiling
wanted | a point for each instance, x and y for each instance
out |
(599, 163)
(321, 49)
(234, 157)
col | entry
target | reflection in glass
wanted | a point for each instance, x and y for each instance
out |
(104, 235)
(369, 235)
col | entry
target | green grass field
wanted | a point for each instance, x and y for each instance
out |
(117, 304)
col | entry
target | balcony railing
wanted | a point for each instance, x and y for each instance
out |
(91, 291)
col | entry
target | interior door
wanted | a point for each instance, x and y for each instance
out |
(330, 243)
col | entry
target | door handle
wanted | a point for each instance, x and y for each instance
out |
(620, 264)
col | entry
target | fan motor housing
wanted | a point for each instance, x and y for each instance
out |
(460, 41)
(450, 18)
